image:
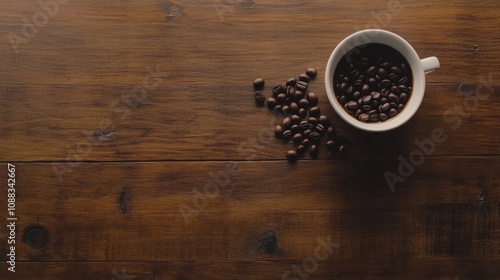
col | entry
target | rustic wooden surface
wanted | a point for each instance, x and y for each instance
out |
(110, 180)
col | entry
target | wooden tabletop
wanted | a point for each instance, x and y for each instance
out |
(138, 151)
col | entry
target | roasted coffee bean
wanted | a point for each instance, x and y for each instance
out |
(396, 70)
(303, 103)
(366, 108)
(301, 85)
(355, 74)
(290, 91)
(358, 112)
(364, 117)
(371, 112)
(404, 81)
(351, 105)
(320, 128)
(392, 112)
(260, 98)
(305, 142)
(312, 120)
(374, 118)
(277, 89)
(292, 156)
(314, 136)
(286, 123)
(365, 89)
(342, 150)
(302, 113)
(363, 61)
(281, 98)
(330, 145)
(383, 116)
(295, 128)
(385, 92)
(312, 98)
(285, 110)
(307, 133)
(324, 120)
(393, 104)
(393, 77)
(402, 88)
(400, 107)
(367, 99)
(304, 77)
(288, 100)
(278, 131)
(258, 84)
(392, 97)
(375, 95)
(345, 79)
(301, 149)
(331, 131)
(343, 87)
(278, 108)
(383, 100)
(342, 99)
(386, 65)
(287, 134)
(291, 82)
(311, 72)
(295, 119)
(349, 91)
(298, 95)
(371, 71)
(372, 82)
(384, 107)
(271, 103)
(395, 89)
(385, 83)
(313, 151)
(403, 97)
(358, 84)
(314, 112)
(382, 73)
(305, 125)
(297, 138)
(374, 103)
(294, 108)
(356, 95)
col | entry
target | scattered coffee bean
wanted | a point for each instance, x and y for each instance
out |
(260, 98)
(287, 134)
(314, 112)
(287, 122)
(277, 89)
(304, 78)
(294, 108)
(330, 144)
(281, 98)
(271, 103)
(307, 133)
(278, 108)
(297, 138)
(258, 84)
(301, 85)
(313, 151)
(306, 142)
(303, 103)
(295, 119)
(298, 95)
(305, 125)
(312, 98)
(292, 156)
(324, 120)
(302, 113)
(291, 82)
(295, 128)
(311, 72)
(290, 91)
(301, 149)
(278, 131)
(314, 121)
(286, 110)
(320, 128)
(314, 136)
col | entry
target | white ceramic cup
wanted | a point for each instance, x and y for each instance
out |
(419, 67)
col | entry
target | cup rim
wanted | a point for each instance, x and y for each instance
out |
(401, 45)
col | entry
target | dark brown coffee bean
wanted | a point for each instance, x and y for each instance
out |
(303, 103)
(287, 134)
(392, 112)
(343, 87)
(304, 77)
(320, 128)
(385, 92)
(366, 89)
(313, 151)
(290, 91)
(392, 97)
(297, 138)
(367, 99)
(402, 88)
(382, 116)
(305, 125)
(384, 107)
(343, 99)
(345, 79)
(277, 89)
(307, 133)
(301, 149)
(358, 84)
(351, 105)
(311, 72)
(363, 61)
(374, 103)
(312, 98)
(404, 81)
(374, 118)
(312, 120)
(278, 131)
(285, 110)
(355, 74)
(396, 70)
(330, 145)
(371, 112)
(375, 95)
(385, 83)
(281, 98)
(294, 108)
(342, 150)
(372, 82)
(302, 113)
(395, 89)
(301, 85)
(292, 156)
(371, 71)
(291, 82)
(403, 97)
(278, 108)
(271, 103)
(393, 104)
(258, 84)
(298, 95)
(306, 142)
(356, 95)
(386, 65)
(331, 131)
(260, 98)
(400, 107)
(295, 119)
(314, 112)
(393, 77)
(295, 128)
(324, 120)
(383, 100)
(382, 73)
(358, 112)
(364, 117)
(314, 136)
(349, 91)
(286, 123)
(366, 108)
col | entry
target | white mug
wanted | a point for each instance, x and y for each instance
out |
(419, 67)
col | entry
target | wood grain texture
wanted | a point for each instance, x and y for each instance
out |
(140, 153)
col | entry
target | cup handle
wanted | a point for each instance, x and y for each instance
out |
(430, 64)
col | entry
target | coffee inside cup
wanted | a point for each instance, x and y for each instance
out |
(373, 82)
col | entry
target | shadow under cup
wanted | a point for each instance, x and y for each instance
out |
(381, 43)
